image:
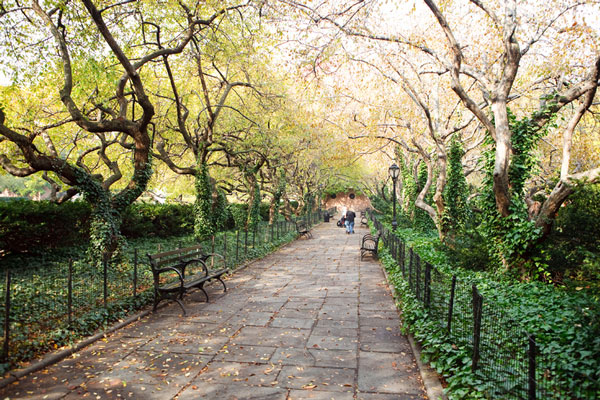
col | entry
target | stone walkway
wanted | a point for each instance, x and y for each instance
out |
(310, 321)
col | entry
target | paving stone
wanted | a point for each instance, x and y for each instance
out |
(293, 356)
(304, 303)
(379, 306)
(332, 343)
(294, 313)
(228, 372)
(380, 334)
(384, 396)
(335, 330)
(314, 394)
(385, 322)
(286, 337)
(328, 379)
(236, 391)
(299, 323)
(401, 346)
(245, 353)
(339, 316)
(329, 322)
(335, 358)
(251, 318)
(388, 373)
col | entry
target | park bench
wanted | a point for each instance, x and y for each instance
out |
(177, 271)
(368, 244)
(302, 228)
(363, 219)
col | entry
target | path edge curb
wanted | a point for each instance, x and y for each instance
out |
(429, 376)
(53, 358)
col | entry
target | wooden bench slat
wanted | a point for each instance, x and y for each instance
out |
(176, 262)
(369, 244)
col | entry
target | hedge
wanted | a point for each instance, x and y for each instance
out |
(34, 226)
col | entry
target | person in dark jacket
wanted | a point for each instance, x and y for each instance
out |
(350, 215)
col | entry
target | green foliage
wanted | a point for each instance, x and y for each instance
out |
(106, 216)
(422, 220)
(409, 190)
(309, 203)
(25, 187)
(220, 212)
(573, 248)
(34, 226)
(254, 210)
(565, 323)
(280, 190)
(161, 220)
(468, 248)
(239, 213)
(456, 191)
(203, 223)
(511, 239)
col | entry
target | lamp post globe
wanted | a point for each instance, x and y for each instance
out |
(394, 171)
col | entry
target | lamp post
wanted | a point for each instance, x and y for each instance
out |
(394, 171)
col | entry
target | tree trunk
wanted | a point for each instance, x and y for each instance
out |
(502, 160)
(420, 201)
(272, 211)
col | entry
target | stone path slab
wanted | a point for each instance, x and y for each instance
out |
(310, 321)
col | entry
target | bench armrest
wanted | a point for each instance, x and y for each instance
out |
(180, 270)
(202, 263)
(214, 261)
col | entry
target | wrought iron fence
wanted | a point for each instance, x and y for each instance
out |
(43, 305)
(503, 355)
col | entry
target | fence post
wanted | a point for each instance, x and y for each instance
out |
(225, 248)
(212, 244)
(70, 293)
(451, 303)
(427, 294)
(237, 245)
(410, 265)
(135, 272)
(4, 356)
(245, 243)
(105, 265)
(531, 355)
(418, 277)
(477, 307)
(403, 258)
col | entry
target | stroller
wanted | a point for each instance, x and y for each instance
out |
(341, 222)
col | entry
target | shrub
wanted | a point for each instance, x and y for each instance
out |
(27, 226)
(573, 248)
(162, 220)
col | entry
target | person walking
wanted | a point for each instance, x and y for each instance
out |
(350, 215)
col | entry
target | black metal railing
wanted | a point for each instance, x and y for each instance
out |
(502, 354)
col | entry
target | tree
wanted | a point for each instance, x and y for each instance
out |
(207, 114)
(497, 84)
(489, 69)
(98, 141)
